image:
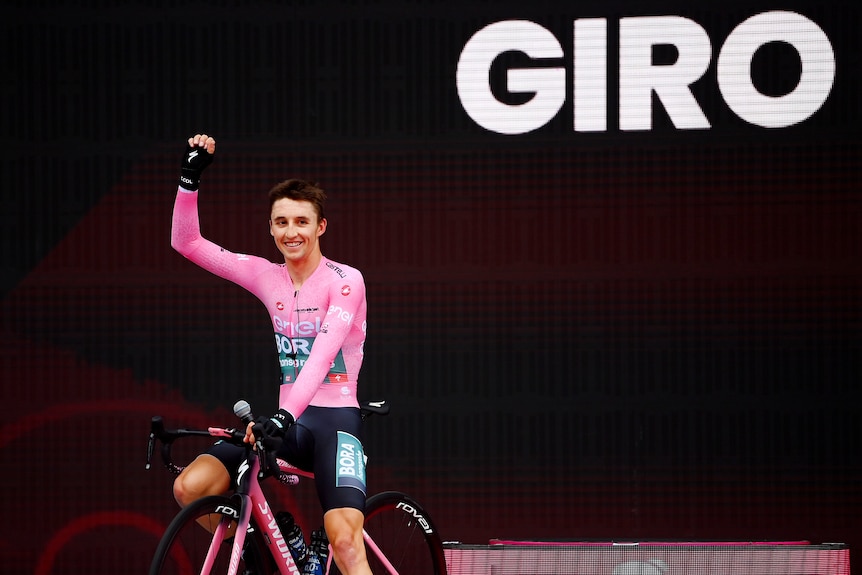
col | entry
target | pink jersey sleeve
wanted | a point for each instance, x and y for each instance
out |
(339, 332)
(186, 239)
(185, 226)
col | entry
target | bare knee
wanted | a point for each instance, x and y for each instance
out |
(347, 546)
(202, 477)
(344, 530)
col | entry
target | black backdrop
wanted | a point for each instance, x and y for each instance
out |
(646, 334)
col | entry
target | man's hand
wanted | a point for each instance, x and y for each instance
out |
(270, 430)
(199, 154)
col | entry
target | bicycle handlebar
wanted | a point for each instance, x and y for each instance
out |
(235, 437)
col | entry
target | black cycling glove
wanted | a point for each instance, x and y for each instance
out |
(282, 419)
(274, 426)
(195, 161)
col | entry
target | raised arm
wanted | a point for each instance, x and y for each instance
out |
(185, 226)
(186, 235)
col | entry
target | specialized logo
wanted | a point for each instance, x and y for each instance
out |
(345, 290)
(192, 155)
(242, 470)
(544, 82)
(350, 462)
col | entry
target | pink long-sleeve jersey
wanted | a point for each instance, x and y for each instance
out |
(319, 329)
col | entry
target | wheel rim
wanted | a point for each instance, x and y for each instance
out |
(184, 548)
(405, 534)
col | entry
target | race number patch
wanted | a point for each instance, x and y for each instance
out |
(349, 462)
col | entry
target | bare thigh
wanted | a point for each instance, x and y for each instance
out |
(202, 477)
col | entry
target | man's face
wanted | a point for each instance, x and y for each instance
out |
(295, 228)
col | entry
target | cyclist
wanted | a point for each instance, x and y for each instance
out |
(318, 312)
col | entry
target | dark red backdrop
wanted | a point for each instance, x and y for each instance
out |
(642, 335)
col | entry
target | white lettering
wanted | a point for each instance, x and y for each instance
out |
(590, 76)
(294, 329)
(340, 313)
(234, 560)
(227, 510)
(347, 459)
(815, 83)
(548, 84)
(639, 77)
(416, 515)
(287, 345)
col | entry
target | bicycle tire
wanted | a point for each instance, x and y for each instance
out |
(185, 543)
(405, 534)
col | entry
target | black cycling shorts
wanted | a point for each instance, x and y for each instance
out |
(326, 441)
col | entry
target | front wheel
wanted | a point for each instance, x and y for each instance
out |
(405, 535)
(207, 522)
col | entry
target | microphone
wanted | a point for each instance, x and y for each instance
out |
(243, 410)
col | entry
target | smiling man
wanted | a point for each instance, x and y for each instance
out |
(317, 308)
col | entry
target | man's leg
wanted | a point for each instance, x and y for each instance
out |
(344, 530)
(202, 477)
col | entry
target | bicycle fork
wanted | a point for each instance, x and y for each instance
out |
(239, 537)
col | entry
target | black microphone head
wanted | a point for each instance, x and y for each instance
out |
(242, 409)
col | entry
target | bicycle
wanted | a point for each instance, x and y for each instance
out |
(243, 537)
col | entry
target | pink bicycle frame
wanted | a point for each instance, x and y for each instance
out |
(254, 503)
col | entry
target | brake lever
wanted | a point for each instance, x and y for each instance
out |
(263, 458)
(157, 426)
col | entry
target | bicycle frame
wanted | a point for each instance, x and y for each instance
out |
(253, 503)
(248, 504)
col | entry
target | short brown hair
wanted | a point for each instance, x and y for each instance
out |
(300, 190)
